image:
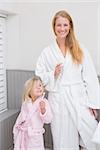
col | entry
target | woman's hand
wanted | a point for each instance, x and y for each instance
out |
(93, 112)
(58, 70)
(42, 107)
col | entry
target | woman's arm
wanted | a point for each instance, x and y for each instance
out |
(92, 82)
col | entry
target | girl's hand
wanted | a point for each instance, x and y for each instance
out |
(58, 70)
(42, 107)
(93, 112)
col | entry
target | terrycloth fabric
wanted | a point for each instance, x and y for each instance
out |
(28, 129)
(96, 136)
(70, 96)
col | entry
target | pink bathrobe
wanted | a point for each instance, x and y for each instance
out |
(28, 129)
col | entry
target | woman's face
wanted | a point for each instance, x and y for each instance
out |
(62, 27)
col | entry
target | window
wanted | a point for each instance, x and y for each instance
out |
(3, 99)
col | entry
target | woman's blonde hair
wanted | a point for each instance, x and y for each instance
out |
(28, 86)
(71, 42)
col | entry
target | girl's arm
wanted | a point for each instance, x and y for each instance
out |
(20, 119)
(45, 111)
(46, 74)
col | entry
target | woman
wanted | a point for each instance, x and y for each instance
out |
(69, 75)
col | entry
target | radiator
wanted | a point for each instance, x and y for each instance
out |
(15, 82)
(7, 120)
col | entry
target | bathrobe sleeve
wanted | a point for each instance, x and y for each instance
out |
(91, 82)
(20, 119)
(44, 71)
(47, 116)
(22, 115)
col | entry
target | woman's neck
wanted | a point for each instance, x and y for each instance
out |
(62, 45)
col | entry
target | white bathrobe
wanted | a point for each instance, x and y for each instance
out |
(96, 136)
(70, 95)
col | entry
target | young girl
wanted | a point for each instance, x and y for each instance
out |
(96, 137)
(35, 111)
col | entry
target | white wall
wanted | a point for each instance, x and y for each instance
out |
(30, 30)
(98, 48)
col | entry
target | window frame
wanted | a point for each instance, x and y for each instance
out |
(3, 89)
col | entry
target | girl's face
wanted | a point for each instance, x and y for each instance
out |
(62, 27)
(37, 89)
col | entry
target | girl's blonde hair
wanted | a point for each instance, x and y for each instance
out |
(71, 42)
(28, 86)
